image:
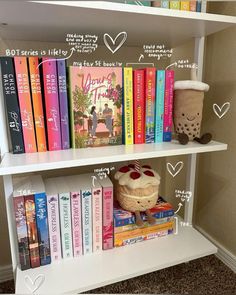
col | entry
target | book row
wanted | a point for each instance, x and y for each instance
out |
(194, 5)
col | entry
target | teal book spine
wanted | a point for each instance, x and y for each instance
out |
(159, 112)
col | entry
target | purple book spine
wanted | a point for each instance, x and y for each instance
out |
(63, 100)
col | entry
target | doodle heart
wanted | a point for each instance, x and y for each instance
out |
(115, 42)
(34, 284)
(174, 170)
(221, 111)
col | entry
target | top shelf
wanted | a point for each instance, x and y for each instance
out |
(50, 21)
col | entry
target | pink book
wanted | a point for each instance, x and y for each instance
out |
(75, 215)
(107, 188)
(53, 219)
(52, 104)
(168, 105)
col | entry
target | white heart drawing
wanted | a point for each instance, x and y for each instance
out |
(221, 111)
(34, 285)
(174, 170)
(105, 36)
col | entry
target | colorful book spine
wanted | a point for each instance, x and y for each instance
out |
(175, 4)
(165, 4)
(42, 227)
(32, 231)
(22, 235)
(37, 101)
(184, 5)
(128, 106)
(168, 105)
(193, 5)
(87, 221)
(76, 224)
(63, 101)
(52, 104)
(156, 3)
(23, 87)
(159, 110)
(150, 88)
(65, 222)
(199, 6)
(54, 226)
(12, 105)
(97, 218)
(139, 106)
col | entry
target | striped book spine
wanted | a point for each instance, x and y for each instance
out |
(26, 111)
(168, 105)
(159, 110)
(52, 104)
(37, 101)
(128, 106)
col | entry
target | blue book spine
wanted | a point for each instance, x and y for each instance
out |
(165, 3)
(199, 6)
(159, 111)
(87, 221)
(42, 228)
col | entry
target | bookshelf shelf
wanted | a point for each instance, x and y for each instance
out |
(39, 21)
(99, 269)
(24, 163)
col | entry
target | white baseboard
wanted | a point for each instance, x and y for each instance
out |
(223, 254)
(6, 273)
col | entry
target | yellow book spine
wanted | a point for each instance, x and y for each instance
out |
(175, 4)
(128, 105)
(185, 5)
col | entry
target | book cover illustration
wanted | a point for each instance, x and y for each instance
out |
(96, 106)
(32, 231)
(63, 101)
(22, 235)
(159, 110)
(87, 221)
(168, 105)
(76, 223)
(26, 111)
(37, 102)
(150, 87)
(12, 105)
(175, 4)
(128, 106)
(52, 104)
(42, 227)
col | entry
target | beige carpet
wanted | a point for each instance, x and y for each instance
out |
(202, 276)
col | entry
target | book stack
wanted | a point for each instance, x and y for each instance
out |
(189, 5)
(62, 217)
(126, 232)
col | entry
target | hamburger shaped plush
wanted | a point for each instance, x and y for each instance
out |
(137, 190)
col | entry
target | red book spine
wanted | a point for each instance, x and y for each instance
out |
(32, 231)
(139, 106)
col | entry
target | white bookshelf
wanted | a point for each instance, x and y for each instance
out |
(49, 22)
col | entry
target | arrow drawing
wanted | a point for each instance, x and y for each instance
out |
(174, 64)
(179, 207)
(141, 56)
(72, 51)
(93, 178)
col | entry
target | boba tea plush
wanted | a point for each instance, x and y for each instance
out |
(137, 190)
(188, 106)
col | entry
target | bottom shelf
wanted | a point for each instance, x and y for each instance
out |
(99, 269)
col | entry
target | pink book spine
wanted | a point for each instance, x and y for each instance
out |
(168, 105)
(107, 218)
(52, 104)
(97, 219)
(54, 227)
(76, 224)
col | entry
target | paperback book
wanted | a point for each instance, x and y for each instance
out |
(168, 105)
(159, 110)
(128, 106)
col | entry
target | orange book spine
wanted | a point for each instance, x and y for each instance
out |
(24, 96)
(37, 101)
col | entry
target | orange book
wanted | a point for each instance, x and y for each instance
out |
(193, 5)
(184, 5)
(23, 89)
(36, 92)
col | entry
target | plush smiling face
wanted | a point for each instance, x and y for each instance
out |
(188, 105)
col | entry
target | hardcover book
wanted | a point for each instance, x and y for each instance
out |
(63, 101)
(139, 106)
(52, 104)
(168, 105)
(53, 219)
(37, 102)
(159, 110)
(23, 88)
(128, 106)
(21, 228)
(150, 88)
(12, 105)
(96, 106)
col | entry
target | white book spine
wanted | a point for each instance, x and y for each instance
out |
(87, 221)
(97, 218)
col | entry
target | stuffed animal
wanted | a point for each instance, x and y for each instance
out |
(188, 106)
(137, 190)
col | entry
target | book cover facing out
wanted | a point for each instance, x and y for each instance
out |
(52, 104)
(63, 101)
(26, 111)
(96, 106)
(76, 223)
(12, 105)
(32, 231)
(22, 235)
(86, 197)
(37, 101)
(42, 227)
